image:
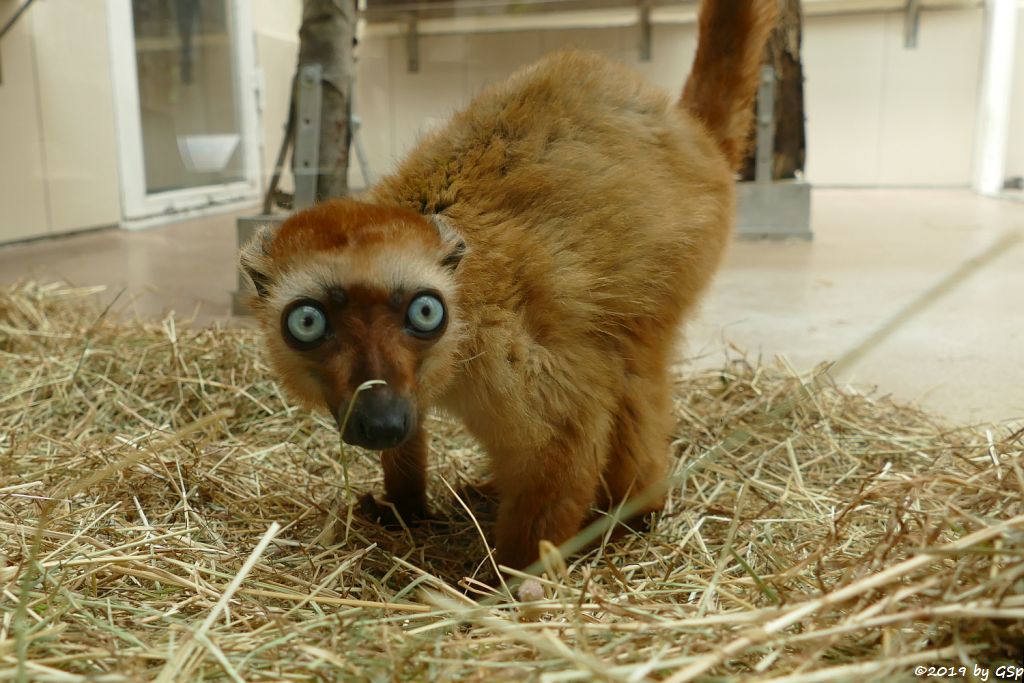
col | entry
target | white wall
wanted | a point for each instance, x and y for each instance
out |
(76, 104)
(59, 160)
(22, 190)
(878, 114)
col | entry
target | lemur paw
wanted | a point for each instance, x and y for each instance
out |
(392, 515)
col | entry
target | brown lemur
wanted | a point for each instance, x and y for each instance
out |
(526, 269)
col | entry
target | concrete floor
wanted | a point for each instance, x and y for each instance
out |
(875, 252)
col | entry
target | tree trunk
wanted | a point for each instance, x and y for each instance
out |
(327, 37)
(783, 53)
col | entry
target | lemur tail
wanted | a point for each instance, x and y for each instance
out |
(721, 87)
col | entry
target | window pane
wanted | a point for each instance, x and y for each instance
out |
(191, 133)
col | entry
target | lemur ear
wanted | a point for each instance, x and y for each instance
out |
(255, 261)
(456, 246)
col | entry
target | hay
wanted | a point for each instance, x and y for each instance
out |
(812, 533)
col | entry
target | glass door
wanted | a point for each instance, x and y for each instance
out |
(186, 103)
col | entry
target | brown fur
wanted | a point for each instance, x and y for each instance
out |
(593, 213)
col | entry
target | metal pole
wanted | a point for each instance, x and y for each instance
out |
(765, 156)
(307, 136)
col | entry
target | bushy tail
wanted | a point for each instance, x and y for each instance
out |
(721, 88)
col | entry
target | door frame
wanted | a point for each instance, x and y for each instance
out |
(139, 207)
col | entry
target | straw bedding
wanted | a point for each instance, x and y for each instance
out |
(166, 514)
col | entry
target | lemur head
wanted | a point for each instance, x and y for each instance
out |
(348, 292)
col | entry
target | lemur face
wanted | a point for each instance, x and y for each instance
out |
(348, 293)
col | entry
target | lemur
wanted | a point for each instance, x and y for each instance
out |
(526, 269)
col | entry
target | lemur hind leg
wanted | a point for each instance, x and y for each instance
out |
(545, 494)
(638, 460)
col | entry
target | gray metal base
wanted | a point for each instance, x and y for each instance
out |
(245, 228)
(776, 210)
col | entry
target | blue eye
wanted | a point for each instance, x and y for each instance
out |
(306, 323)
(425, 315)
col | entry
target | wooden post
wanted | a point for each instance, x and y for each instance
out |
(783, 53)
(327, 38)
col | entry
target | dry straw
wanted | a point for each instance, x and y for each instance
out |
(166, 514)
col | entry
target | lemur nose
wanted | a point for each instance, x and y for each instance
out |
(381, 432)
(380, 420)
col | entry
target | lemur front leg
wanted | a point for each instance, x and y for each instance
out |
(405, 483)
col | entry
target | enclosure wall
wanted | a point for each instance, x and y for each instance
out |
(879, 114)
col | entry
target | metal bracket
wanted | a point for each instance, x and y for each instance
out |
(765, 155)
(412, 43)
(911, 23)
(644, 21)
(307, 135)
(355, 125)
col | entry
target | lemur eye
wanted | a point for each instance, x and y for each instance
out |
(306, 323)
(425, 316)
